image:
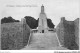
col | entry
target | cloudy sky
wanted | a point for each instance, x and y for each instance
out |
(54, 9)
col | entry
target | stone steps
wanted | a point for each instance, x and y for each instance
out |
(43, 41)
(47, 40)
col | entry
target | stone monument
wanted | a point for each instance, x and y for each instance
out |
(42, 24)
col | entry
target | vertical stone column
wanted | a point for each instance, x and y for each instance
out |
(60, 31)
(79, 33)
(0, 34)
(25, 31)
(76, 23)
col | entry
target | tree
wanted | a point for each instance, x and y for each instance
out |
(8, 20)
(31, 22)
(50, 24)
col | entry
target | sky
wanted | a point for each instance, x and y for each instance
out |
(54, 9)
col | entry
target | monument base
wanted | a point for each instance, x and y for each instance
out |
(42, 30)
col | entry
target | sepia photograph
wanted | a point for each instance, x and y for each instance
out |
(39, 24)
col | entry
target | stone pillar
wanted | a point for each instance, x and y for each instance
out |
(25, 31)
(79, 33)
(23, 21)
(76, 23)
(0, 34)
(60, 31)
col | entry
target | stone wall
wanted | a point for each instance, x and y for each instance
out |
(76, 22)
(26, 31)
(79, 33)
(0, 34)
(67, 32)
(14, 36)
(60, 31)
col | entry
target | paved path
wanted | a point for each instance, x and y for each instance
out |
(43, 41)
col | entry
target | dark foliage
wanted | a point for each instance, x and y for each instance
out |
(50, 24)
(31, 22)
(8, 20)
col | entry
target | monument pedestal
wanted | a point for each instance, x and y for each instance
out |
(43, 30)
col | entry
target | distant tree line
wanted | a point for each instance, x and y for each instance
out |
(8, 20)
(31, 21)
